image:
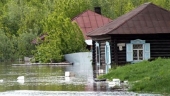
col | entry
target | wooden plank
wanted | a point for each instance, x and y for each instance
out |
(101, 38)
(115, 51)
(93, 53)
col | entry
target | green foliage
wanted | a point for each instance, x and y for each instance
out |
(19, 17)
(24, 44)
(5, 46)
(144, 76)
(11, 48)
(63, 37)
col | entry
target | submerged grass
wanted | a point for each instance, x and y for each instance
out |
(146, 76)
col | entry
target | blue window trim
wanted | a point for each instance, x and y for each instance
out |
(129, 50)
(107, 53)
(146, 51)
(137, 41)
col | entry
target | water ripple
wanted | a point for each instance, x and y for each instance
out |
(70, 93)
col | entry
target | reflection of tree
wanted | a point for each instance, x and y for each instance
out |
(37, 78)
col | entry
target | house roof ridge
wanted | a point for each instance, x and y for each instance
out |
(80, 14)
(88, 34)
(87, 11)
(160, 7)
(98, 21)
(145, 6)
(144, 19)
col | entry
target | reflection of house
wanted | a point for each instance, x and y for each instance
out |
(89, 20)
(138, 35)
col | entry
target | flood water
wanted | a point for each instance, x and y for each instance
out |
(50, 80)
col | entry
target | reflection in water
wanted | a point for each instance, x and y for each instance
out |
(50, 80)
(101, 69)
(46, 77)
(70, 93)
(51, 93)
(36, 78)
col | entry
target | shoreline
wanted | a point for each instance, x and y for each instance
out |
(42, 64)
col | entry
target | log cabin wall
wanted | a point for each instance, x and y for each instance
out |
(93, 53)
(159, 46)
(102, 41)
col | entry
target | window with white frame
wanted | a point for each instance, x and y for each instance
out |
(137, 50)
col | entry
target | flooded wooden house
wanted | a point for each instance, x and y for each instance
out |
(140, 34)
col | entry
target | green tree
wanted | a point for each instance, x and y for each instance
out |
(22, 17)
(5, 47)
(24, 44)
(63, 37)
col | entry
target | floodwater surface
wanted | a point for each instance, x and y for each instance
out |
(46, 78)
(50, 80)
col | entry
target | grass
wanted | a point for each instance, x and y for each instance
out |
(145, 76)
